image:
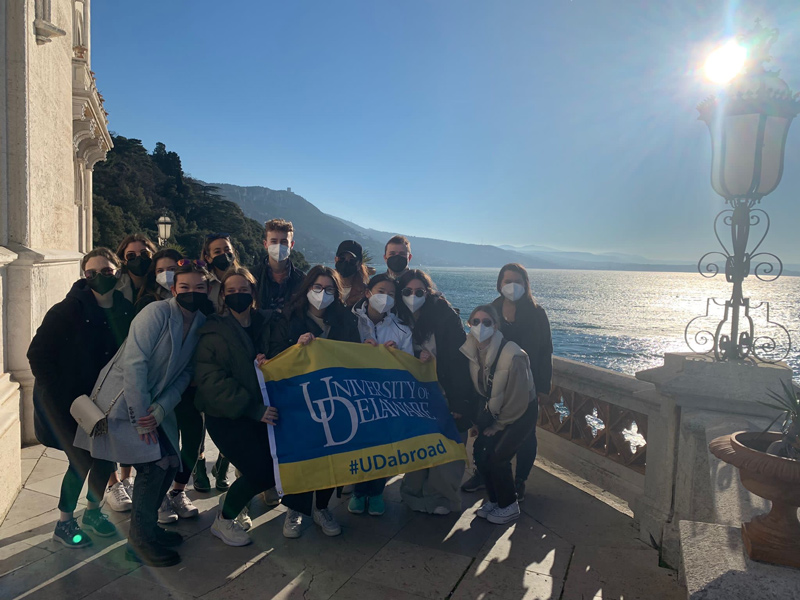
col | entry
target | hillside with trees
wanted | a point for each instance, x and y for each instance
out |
(133, 188)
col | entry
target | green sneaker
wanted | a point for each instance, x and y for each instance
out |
(98, 523)
(376, 506)
(357, 505)
(71, 535)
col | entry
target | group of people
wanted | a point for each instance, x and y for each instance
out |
(164, 346)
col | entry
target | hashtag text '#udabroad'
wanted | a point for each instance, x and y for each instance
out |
(377, 462)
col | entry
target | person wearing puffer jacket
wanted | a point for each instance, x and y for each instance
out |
(501, 373)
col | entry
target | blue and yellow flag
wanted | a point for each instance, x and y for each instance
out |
(353, 412)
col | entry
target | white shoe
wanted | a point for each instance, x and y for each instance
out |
(182, 505)
(244, 520)
(271, 497)
(441, 510)
(230, 532)
(504, 515)
(166, 514)
(292, 524)
(326, 520)
(127, 483)
(117, 498)
(488, 506)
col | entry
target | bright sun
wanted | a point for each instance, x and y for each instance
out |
(725, 62)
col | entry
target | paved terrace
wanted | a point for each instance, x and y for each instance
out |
(570, 543)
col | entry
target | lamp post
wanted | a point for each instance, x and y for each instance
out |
(164, 224)
(748, 123)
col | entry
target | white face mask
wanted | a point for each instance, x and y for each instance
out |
(381, 303)
(278, 252)
(513, 291)
(413, 303)
(319, 300)
(481, 332)
(165, 279)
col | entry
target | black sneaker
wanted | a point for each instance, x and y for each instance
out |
(153, 555)
(220, 473)
(168, 538)
(519, 485)
(71, 535)
(474, 483)
(98, 523)
(200, 476)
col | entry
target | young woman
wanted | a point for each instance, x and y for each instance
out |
(159, 278)
(525, 322)
(500, 372)
(135, 252)
(229, 394)
(141, 387)
(352, 271)
(378, 324)
(317, 312)
(437, 333)
(78, 336)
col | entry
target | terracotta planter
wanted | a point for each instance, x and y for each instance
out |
(774, 537)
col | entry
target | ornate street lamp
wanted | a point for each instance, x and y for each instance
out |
(749, 123)
(164, 224)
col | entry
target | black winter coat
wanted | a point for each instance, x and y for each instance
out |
(452, 366)
(531, 332)
(274, 296)
(75, 341)
(344, 325)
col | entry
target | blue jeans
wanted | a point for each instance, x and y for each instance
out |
(365, 489)
(149, 488)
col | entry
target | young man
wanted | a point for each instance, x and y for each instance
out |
(278, 278)
(397, 255)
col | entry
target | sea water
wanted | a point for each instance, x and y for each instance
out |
(626, 321)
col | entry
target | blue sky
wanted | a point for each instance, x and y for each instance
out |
(569, 124)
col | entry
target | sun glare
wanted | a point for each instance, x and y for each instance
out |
(725, 62)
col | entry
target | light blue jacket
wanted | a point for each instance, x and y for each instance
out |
(153, 366)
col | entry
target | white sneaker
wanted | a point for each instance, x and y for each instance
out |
(271, 497)
(488, 506)
(230, 532)
(292, 524)
(244, 520)
(504, 515)
(117, 498)
(166, 514)
(127, 483)
(441, 510)
(182, 505)
(326, 520)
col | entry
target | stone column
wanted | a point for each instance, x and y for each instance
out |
(710, 399)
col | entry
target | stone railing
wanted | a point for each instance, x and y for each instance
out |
(596, 422)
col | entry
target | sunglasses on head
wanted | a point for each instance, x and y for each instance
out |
(419, 292)
(484, 322)
(132, 255)
(92, 273)
(188, 262)
(211, 237)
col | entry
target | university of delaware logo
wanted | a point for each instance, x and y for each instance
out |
(323, 416)
(365, 401)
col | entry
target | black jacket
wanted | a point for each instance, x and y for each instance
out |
(452, 366)
(344, 325)
(531, 331)
(75, 341)
(227, 385)
(274, 296)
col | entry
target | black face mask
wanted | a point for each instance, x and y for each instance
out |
(397, 263)
(221, 262)
(346, 268)
(192, 301)
(239, 302)
(138, 266)
(102, 284)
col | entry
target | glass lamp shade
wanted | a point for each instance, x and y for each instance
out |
(164, 227)
(749, 124)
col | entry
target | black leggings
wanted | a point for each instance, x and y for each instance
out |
(193, 434)
(81, 463)
(303, 502)
(245, 443)
(493, 454)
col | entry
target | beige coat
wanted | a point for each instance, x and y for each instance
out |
(513, 387)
